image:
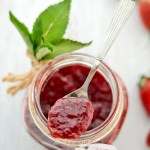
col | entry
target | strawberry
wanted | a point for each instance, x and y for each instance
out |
(148, 140)
(144, 7)
(145, 93)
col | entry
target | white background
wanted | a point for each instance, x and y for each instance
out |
(129, 56)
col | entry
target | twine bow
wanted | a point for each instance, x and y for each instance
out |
(25, 79)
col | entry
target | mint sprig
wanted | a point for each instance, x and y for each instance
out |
(67, 45)
(46, 40)
(52, 23)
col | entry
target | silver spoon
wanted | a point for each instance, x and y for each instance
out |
(122, 13)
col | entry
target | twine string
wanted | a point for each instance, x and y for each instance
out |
(25, 79)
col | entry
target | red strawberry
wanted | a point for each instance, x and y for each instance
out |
(148, 140)
(145, 93)
(144, 7)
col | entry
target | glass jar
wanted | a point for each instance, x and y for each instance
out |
(105, 133)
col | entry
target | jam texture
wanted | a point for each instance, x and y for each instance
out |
(68, 79)
(70, 118)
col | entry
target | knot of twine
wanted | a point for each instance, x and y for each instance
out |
(25, 79)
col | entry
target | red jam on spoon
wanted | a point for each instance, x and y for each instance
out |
(70, 118)
(69, 79)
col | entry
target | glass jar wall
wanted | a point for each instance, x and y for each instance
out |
(110, 104)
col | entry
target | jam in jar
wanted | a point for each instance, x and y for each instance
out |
(63, 75)
(70, 78)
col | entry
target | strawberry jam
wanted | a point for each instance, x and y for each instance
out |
(70, 78)
(70, 118)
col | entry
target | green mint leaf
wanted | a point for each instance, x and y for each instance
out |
(44, 50)
(51, 24)
(23, 31)
(65, 46)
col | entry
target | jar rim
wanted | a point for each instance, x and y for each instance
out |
(91, 135)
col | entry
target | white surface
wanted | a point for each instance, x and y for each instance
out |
(130, 57)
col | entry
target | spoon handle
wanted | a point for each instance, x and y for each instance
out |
(122, 13)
